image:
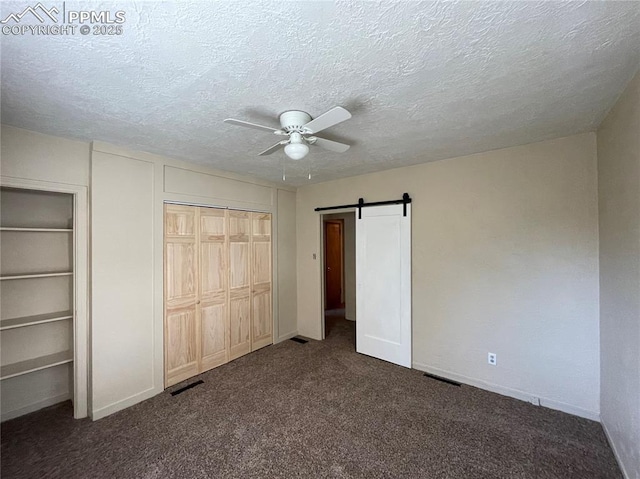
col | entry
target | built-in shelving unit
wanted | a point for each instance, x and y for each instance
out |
(37, 300)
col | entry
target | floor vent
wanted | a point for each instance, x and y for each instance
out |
(444, 380)
(299, 340)
(189, 386)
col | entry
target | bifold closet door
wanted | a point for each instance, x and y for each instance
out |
(214, 320)
(217, 287)
(181, 291)
(239, 283)
(261, 329)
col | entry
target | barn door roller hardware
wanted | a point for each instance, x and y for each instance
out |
(405, 200)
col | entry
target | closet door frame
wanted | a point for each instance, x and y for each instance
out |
(80, 281)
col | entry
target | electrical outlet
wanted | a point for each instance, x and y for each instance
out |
(492, 358)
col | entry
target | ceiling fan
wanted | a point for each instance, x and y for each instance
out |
(301, 129)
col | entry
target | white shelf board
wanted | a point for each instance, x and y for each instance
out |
(37, 230)
(36, 364)
(35, 275)
(34, 320)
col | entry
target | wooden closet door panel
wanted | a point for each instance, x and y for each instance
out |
(239, 225)
(213, 288)
(179, 220)
(261, 227)
(181, 345)
(261, 290)
(262, 322)
(213, 224)
(181, 271)
(181, 294)
(213, 272)
(261, 263)
(214, 336)
(239, 283)
(240, 339)
(239, 271)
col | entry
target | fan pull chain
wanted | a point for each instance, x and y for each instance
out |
(309, 163)
(284, 170)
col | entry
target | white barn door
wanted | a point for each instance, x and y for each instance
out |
(383, 278)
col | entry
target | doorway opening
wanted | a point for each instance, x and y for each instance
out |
(339, 270)
(382, 293)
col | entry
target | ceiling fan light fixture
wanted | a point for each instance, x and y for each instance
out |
(296, 151)
(298, 126)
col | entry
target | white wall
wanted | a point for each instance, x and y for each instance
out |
(34, 156)
(286, 264)
(619, 200)
(505, 260)
(126, 332)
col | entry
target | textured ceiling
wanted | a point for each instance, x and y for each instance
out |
(423, 80)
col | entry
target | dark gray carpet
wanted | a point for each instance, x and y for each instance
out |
(311, 410)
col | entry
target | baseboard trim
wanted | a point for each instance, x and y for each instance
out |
(514, 393)
(124, 403)
(615, 451)
(290, 335)
(35, 406)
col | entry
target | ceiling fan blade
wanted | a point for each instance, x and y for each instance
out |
(274, 148)
(246, 124)
(326, 120)
(331, 145)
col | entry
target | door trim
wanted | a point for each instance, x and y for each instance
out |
(323, 301)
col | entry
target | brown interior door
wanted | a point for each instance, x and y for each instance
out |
(333, 273)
